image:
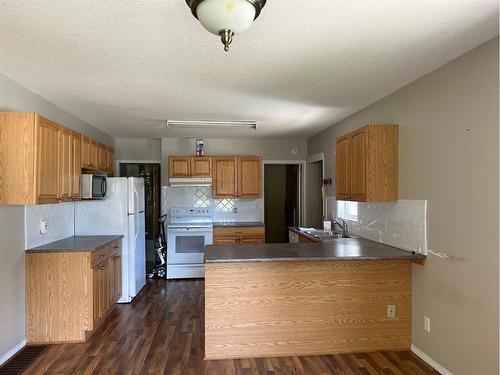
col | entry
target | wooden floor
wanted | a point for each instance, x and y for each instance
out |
(161, 332)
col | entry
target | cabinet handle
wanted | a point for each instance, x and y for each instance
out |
(103, 268)
(101, 256)
(117, 257)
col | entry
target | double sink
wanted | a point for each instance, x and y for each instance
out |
(324, 235)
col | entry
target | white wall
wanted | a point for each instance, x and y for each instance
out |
(448, 154)
(14, 97)
(138, 149)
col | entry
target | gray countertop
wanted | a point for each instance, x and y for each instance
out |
(75, 244)
(340, 249)
(238, 224)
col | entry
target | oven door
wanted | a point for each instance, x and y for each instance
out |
(187, 245)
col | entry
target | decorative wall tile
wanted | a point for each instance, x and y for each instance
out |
(402, 224)
(60, 219)
(201, 196)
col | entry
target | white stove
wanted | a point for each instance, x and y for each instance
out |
(188, 232)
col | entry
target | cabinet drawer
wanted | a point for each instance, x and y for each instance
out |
(100, 255)
(239, 231)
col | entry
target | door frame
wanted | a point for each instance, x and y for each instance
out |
(303, 184)
(314, 159)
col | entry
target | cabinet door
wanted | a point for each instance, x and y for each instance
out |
(93, 155)
(358, 165)
(76, 165)
(65, 155)
(111, 163)
(96, 312)
(342, 168)
(47, 168)
(225, 240)
(117, 261)
(179, 166)
(111, 281)
(102, 157)
(251, 240)
(85, 152)
(201, 166)
(103, 289)
(224, 177)
(249, 177)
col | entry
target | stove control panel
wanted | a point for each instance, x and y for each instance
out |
(191, 211)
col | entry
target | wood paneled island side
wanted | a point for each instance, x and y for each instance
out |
(306, 299)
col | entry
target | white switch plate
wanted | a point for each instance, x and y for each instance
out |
(391, 311)
(427, 323)
(44, 227)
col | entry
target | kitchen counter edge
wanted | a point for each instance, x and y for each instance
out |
(75, 244)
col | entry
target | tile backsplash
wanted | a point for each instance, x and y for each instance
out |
(201, 196)
(60, 219)
(401, 224)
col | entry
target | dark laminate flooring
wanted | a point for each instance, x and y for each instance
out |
(161, 332)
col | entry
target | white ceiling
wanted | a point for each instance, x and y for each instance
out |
(124, 66)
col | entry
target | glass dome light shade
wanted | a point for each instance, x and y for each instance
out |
(219, 15)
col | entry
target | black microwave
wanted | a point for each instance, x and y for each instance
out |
(93, 186)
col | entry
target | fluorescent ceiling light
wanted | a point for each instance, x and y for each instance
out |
(210, 124)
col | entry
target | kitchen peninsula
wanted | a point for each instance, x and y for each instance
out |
(267, 300)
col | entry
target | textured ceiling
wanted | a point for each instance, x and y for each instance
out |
(125, 66)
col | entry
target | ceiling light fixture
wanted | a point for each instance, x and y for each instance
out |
(226, 17)
(210, 124)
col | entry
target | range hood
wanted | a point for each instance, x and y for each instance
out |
(190, 181)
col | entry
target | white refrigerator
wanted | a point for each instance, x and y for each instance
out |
(122, 212)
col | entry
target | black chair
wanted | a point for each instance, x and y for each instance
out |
(160, 252)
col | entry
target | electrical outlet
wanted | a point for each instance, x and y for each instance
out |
(44, 227)
(427, 323)
(391, 311)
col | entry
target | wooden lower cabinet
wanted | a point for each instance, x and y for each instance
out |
(82, 290)
(238, 235)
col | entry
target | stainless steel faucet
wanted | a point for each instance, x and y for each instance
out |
(342, 223)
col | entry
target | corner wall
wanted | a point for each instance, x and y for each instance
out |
(448, 154)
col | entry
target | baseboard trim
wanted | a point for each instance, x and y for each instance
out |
(430, 361)
(12, 352)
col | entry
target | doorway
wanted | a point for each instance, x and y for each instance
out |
(314, 193)
(152, 188)
(282, 200)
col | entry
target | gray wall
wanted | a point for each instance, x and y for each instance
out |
(138, 149)
(448, 153)
(269, 149)
(11, 277)
(14, 97)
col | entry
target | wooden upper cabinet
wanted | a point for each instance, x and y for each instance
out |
(40, 160)
(342, 168)
(102, 157)
(201, 166)
(110, 161)
(179, 166)
(65, 163)
(249, 177)
(76, 169)
(367, 164)
(85, 152)
(224, 181)
(47, 170)
(358, 165)
(93, 155)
